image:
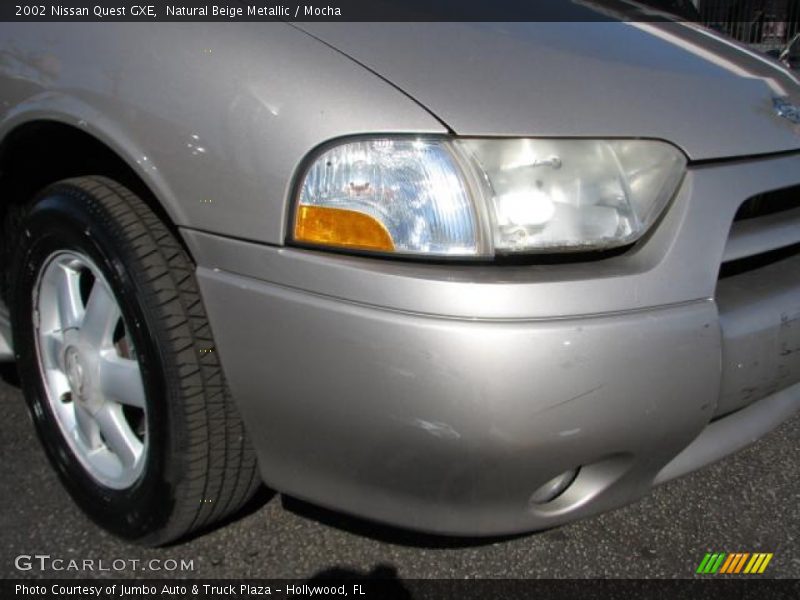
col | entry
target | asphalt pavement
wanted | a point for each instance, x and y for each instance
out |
(749, 502)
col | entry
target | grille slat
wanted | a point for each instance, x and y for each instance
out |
(766, 228)
(752, 236)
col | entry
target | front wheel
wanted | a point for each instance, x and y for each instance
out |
(118, 366)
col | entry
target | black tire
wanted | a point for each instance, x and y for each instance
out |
(199, 466)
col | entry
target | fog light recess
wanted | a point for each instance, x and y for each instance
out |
(554, 488)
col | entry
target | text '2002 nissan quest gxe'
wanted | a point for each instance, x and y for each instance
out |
(464, 278)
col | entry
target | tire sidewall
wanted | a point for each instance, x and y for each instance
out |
(67, 218)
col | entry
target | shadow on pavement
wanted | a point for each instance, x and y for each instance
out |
(391, 586)
(8, 373)
(385, 533)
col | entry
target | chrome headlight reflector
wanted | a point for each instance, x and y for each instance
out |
(481, 197)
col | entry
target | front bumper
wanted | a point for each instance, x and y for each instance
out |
(443, 398)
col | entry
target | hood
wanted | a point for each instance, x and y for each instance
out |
(671, 81)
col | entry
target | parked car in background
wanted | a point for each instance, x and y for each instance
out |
(466, 278)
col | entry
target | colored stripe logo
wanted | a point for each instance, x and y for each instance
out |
(734, 563)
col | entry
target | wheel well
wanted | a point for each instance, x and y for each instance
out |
(39, 153)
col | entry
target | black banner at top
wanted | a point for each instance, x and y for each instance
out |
(346, 10)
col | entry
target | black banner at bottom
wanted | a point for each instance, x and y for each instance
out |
(369, 588)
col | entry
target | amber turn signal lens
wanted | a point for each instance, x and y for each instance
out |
(340, 227)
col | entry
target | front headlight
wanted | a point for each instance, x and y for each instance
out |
(481, 197)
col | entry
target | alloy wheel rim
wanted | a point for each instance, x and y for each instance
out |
(90, 370)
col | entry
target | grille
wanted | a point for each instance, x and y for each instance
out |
(766, 229)
(758, 299)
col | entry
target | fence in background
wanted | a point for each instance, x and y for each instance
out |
(764, 24)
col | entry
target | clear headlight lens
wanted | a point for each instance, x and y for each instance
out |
(479, 197)
(574, 194)
(405, 196)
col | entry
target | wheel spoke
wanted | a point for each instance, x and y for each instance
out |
(86, 426)
(68, 297)
(118, 435)
(58, 382)
(53, 350)
(121, 380)
(101, 317)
